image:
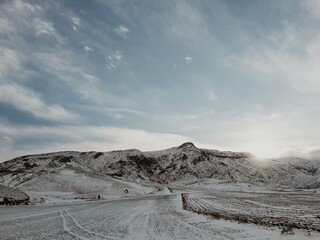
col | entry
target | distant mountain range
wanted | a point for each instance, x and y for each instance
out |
(135, 172)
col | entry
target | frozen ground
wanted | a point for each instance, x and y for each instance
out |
(148, 217)
(291, 210)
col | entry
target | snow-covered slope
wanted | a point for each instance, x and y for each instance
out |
(297, 172)
(56, 174)
(132, 172)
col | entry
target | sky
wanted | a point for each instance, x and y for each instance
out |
(117, 74)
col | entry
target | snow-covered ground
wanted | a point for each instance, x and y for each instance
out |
(290, 210)
(149, 217)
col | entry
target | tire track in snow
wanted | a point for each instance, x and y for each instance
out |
(88, 231)
(118, 221)
(68, 230)
(86, 234)
(114, 216)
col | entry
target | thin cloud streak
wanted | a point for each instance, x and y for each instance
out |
(29, 101)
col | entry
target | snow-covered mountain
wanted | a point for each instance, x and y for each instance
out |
(132, 172)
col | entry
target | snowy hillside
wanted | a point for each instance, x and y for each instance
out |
(297, 172)
(59, 176)
(132, 172)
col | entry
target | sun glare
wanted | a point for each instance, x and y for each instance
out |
(262, 149)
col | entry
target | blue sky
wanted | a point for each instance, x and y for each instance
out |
(103, 75)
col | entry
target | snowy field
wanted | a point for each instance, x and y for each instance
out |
(286, 209)
(149, 217)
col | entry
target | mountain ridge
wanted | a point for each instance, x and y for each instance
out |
(84, 172)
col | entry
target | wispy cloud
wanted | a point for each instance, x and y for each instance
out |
(114, 60)
(118, 55)
(58, 61)
(188, 60)
(64, 67)
(10, 61)
(22, 18)
(76, 23)
(311, 6)
(19, 6)
(75, 20)
(7, 139)
(286, 55)
(5, 26)
(45, 28)
(185, 23)
(29, 101)
(111, 66)
(88, 49)
(122, 31)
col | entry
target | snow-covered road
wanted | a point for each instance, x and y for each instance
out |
(150, 217)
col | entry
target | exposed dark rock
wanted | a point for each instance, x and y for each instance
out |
(98, 154)
(29, 166)
(65, 159)
(186, 145)
(10, 196)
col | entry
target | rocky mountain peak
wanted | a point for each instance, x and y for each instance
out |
(187, 145)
